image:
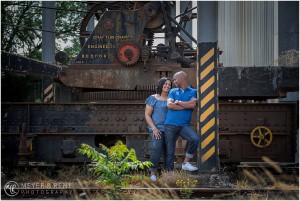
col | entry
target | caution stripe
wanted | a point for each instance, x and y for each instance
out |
(208, 154)
(207, 56)
(207, 126)
(48, 93)
(207, 98)
(207, 112)
(207, 70)
(47, 89)
(208, 84)
(208, 91)
(48, 98)
(208, 140)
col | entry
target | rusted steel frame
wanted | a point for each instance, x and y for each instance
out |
(247, 134)
(69, 103)
(257, 82)
(16, 63)
(176, 31)
(23, 147)
(111, 111)
(182, 29)
(76, 134)
(238, 121)
(118, 95)
(182, 39)
(64, 107)
(94, 11)
(186, 11)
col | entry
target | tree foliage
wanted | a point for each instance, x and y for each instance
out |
(21, 33)
(16, 20)
(21, 26)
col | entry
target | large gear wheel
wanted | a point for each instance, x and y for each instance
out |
(128, 54)
(153, 12)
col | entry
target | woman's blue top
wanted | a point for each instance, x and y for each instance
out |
(159, 112)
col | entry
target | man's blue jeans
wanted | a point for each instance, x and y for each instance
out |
(171, 134)
(158, 148)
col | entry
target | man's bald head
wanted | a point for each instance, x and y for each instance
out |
(180, 74)
(180, 79)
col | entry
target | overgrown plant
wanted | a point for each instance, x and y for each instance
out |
(288, 58)
(113, 165)
(186, 185)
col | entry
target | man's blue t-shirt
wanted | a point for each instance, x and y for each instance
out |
(180, 117)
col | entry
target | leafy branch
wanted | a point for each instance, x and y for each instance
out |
(113, 165)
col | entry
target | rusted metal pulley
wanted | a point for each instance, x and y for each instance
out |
(61, 57)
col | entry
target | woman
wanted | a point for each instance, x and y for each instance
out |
(155, 113)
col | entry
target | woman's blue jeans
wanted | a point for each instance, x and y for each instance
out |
(171, 134)
(158, 148)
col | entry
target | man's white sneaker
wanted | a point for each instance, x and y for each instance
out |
(153, 178)
(189, 167)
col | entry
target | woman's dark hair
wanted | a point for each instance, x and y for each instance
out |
(161, 83)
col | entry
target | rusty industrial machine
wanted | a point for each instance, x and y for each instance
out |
(119, 54)
(115, 72)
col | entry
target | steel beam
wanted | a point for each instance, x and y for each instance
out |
(48, 47)
(207, 76)
(16, 63)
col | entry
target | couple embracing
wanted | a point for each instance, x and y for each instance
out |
(168, 114)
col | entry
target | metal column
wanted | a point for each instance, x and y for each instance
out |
(207, 79)
(188, 27)
(48, 47)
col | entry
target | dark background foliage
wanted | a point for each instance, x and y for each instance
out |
(21, 33)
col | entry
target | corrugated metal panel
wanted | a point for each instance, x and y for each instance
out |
(246, 33)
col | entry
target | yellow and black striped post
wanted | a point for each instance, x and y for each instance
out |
(48, 90)
(208, 121)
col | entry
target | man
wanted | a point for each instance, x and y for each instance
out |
(181, 102)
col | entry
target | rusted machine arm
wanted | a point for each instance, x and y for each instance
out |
(257, 82)
(234, 82)
(17, 63)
